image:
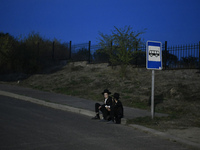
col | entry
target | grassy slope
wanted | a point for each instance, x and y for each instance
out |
(178, 89)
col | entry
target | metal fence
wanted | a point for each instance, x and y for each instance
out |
(87, 52)
(184, 56)
(173, 57)
(52, 50)
(80, 52)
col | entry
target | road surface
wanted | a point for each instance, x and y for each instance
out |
(28, 126)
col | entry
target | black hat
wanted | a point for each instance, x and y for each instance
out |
(116, 96)
(106, 91)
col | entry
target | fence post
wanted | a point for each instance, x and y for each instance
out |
(70, 50)
(199, 56)
(165, 55)
(89, 51)
(110, 51)
(53, 51)
(38, 51)
(136, 59)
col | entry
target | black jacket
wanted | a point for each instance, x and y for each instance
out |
(109, 102)
(118, 109)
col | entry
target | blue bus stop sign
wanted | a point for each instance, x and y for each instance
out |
(154, 55)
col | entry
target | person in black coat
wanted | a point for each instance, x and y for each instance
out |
(117, 110)
(104, 107)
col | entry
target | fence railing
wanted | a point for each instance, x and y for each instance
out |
(184, 56)
(173, 57)
(52, 50)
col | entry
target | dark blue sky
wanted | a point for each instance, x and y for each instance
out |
(175, 21)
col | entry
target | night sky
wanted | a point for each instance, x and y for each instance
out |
(175, 21)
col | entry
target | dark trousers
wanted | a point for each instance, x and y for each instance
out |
(104, 111)
(115, 116)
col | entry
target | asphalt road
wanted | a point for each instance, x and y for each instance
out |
(25, 125)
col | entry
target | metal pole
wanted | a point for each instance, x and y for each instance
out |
(136, 59)
(110, 52)
(89, 52)
(38, 52)
(111, 45)
(70, 50)
(199, 56)
(152, 95)
(165, 55)
(53, 51)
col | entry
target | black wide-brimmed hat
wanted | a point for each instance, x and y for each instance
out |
(106, 91)
(116, 96)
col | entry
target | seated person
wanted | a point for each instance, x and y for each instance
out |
(116, 111)
(104, 108)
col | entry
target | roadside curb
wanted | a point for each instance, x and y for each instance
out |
(48, 104)
(53, 105)
(91, 114)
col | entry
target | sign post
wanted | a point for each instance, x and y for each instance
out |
(153, 62)
(152, 95)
